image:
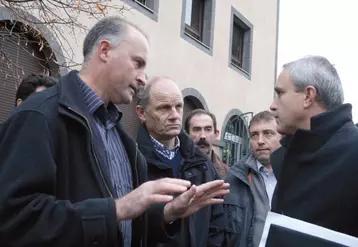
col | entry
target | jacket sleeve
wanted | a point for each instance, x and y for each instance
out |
(217, 220)
(30, 214)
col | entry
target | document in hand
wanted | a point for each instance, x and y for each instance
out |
(283, 231)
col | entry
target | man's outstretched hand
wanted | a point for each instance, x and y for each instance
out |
(136, 202)
(194, 199)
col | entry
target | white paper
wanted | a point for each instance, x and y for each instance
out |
(307, 228)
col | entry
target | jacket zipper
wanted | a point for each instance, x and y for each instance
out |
(92, 151)
(262, 181)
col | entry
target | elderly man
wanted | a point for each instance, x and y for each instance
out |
(317, 178)
(252, 185)
(201, 126)
(70, 175)
(171, 153)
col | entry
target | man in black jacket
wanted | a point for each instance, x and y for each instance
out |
(252, 183)
(317, 178)
(171, 153)
(69, 174)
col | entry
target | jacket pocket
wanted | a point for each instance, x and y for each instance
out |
(234, 226)
(234, 218)
(92, 226)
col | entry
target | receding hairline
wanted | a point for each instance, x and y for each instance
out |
(155, 80)
(132, 28)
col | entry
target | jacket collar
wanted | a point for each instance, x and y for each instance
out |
(71, 96)
(322, 127)
(188, 149)
(241, 169)
(305, 142)
(330, 121)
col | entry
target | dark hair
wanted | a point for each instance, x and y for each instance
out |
(30, 83)
(262, 116)
(199, 112)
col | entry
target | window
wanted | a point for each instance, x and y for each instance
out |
(146, 7)
(194, 17)
(237, 47)
(241, 44)
(147, 3)
(198, 23)
(236, 138)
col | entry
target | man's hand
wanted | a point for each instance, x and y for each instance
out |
(136, 202)
(194, 199)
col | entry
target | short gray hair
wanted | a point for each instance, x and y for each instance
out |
(318, 72)
(111, 28)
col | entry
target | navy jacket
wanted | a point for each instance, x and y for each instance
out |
(205, 227)
(54, 191)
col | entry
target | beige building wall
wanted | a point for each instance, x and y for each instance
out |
(222, 87)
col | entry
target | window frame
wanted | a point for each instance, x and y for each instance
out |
(246, 55)
(203, 40)
(151, 13)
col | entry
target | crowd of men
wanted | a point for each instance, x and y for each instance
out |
(71, 176)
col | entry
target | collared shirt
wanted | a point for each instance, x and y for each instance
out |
(104, 121)
(163, 150)
(269, 179)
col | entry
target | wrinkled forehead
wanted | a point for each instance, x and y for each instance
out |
(165, 91)
(166, 97)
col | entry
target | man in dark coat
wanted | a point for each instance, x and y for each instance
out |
(252, 183)
(317, 178)
(171, 153)
(201, 126)
(70, 175)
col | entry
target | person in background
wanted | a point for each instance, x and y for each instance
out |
(171, 153)
(33, 83)
(201, 126)
(252, 184)
(318, 174)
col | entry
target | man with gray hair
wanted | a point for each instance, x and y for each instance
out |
(70, 175)
(317, 178)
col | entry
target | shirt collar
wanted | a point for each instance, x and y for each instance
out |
(260, 167)
(109, 115)
(163, 150)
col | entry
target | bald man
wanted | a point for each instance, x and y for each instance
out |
(171, 153)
